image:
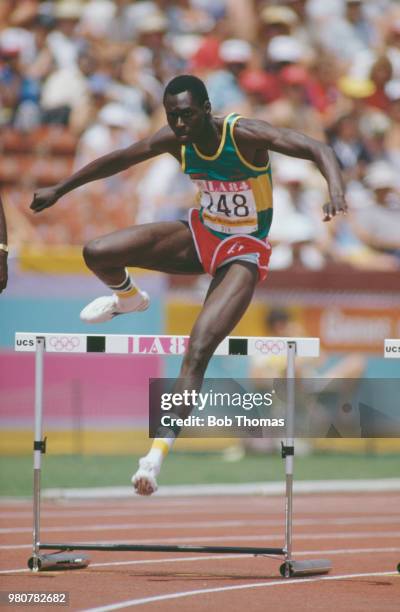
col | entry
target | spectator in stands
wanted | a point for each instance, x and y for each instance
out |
(136, 73)
(348, 35)
(377, 222)
(185, 17)
(392, 90)
(10, 83)
(42, 63)
(152, 35)
(115, 128)
(64, 41)
(66, 90)
(375, 129)
(283, 51)
(260, 88)
(223, 85)
(293, 108)
(17, 35)
(380, 74)
(296, 235)
(277, 322)
(354, 95)
(346, 141)
(19, 94)
(304, 30)
(276, 20)
(393, 46)
(95, 19)
(323, 90)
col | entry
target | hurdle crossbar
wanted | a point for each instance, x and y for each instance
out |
(162, 345)
(249, 550)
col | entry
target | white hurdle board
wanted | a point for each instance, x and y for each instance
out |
(160, 344)
(392, 348)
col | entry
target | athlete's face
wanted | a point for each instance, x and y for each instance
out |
(186, 117)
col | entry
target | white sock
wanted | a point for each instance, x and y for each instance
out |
(125, 289)
(159, 450)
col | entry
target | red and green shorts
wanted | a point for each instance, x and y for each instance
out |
(214, 252)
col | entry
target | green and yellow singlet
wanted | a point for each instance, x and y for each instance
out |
(235, 197)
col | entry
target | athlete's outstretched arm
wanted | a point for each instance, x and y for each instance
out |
(162, 142)
(263, 135)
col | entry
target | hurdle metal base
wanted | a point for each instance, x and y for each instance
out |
(58, 561)
(67, 560)
(291, 569)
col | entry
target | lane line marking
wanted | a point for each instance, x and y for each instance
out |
(183, 525)
(237, 587)
(374, 485)
(251, 537)
(373, 520)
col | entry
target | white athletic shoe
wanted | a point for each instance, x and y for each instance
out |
(106, 308)
(144, 480)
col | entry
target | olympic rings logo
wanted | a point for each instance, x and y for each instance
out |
(270, 347)
(64, 343)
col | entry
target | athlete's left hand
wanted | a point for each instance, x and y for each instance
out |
(335, 206)
(3, 270)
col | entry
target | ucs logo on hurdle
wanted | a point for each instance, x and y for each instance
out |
(25, 342)
(392, 349)
(56, 343)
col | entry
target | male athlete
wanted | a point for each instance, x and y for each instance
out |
(227, 158)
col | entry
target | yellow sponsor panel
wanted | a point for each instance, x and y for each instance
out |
(118, 442)
(58, 259)
(180, 316)
(136, 442)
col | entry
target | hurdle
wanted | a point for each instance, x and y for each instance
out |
(391, 348)
(40, 343)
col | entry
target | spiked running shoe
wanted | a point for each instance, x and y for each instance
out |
(144, 480)
(106, 308)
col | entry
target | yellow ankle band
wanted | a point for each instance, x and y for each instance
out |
(161, 445)
(126, 294)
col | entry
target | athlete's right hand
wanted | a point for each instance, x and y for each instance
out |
(44, 198)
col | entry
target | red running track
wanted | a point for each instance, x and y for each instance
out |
(359, 533)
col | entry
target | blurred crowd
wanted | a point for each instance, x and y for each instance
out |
(79, 78)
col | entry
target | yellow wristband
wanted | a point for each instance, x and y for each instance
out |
(3, 247)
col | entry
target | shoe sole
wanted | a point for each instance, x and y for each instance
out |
(144, 476)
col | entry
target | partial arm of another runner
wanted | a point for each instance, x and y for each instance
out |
(3, 249)
(163, 141)
(262, 135)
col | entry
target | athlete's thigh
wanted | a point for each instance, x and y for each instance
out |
(164, 246)
(227, 300)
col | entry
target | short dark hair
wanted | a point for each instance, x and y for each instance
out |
(277, 315)
(187, 82)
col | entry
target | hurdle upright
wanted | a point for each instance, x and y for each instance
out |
(67, 343)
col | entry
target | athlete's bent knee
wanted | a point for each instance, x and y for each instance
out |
(94, 253)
